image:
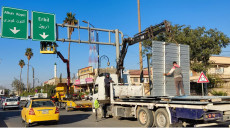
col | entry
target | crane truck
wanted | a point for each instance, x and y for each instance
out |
(129, 101)
(63, 93)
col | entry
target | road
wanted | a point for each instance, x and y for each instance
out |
(12, 118)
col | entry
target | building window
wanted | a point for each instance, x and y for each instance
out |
(135, 79)
(220, 70)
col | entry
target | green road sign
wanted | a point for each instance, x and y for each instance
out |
(43, 26)
(14, 23)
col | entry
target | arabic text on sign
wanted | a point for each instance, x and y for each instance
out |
(44, 26)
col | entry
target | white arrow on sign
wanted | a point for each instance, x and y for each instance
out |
(14, 30)
(44, 36)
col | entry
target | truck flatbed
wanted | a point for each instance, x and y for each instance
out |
(178, 99)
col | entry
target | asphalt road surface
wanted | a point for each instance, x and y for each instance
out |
(12, 118)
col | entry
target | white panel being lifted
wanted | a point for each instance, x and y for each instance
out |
(163, 55)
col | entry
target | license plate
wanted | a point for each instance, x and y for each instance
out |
(45, 112)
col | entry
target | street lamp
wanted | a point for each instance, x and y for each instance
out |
(97, 40)
(104, 56)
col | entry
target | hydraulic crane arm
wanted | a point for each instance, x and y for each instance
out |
(62, 57)
(68, 70)
(148, 33)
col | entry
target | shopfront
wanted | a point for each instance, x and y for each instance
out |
(85, 81)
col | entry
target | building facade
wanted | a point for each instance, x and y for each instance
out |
(220, 67)
(134, 76)
(55, 81)
(85, 80)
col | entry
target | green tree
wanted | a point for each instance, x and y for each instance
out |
(21, 64)
(215, 81)
(29, 54)
(70, 20)
(49, 89)
(203, 43)
(16, 84)
(60, 78)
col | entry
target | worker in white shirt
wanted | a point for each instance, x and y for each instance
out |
(176, 70)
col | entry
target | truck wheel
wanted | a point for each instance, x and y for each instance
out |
(145, 117)
(162, 118)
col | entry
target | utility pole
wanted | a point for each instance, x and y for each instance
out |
(140, 45)
(33, 76)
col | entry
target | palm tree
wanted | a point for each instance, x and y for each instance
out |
(70, 20)
(21, 64)
(29, 55)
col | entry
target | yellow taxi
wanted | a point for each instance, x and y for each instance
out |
(39, 110)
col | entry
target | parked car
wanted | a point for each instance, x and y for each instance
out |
(39, 110)
(3, 99)
(10, 103)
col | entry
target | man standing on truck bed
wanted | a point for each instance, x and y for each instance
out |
(176, 70)
(107, 81)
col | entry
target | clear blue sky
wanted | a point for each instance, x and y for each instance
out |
(107, 14)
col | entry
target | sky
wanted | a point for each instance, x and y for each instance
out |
(105, 14)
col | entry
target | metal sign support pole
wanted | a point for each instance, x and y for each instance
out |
(202, 89)
(117, 44)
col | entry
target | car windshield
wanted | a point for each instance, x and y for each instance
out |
(11, 100)
(42, 104)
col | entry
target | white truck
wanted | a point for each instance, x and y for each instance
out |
(161, 108)
(161, 111)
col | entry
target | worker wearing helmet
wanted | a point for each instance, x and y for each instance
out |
(176, 70)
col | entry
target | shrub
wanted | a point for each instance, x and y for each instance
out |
(218, 93)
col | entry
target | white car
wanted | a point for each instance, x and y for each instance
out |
(10, 103)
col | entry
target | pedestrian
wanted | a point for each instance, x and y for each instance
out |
(176, 70)
(107, 81)
(96, 106)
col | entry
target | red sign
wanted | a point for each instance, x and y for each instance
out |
(83, 81)
(89, 80)
(77, 82)
(202, 78)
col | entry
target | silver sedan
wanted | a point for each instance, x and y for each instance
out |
(10, 103)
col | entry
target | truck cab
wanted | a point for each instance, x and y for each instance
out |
(99, 89)
(117, 90)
